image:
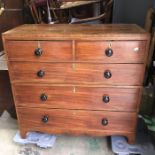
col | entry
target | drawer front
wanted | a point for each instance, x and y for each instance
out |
(112, 52)
(88, 98)
(111, 74)
(39, 51)
(41, 119)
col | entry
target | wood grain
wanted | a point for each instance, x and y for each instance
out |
(51, 51)
(77, 73)
(123, 51)
(78, 32)
(77, 97)
(64, 120)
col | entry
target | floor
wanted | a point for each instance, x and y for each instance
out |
(64, 145)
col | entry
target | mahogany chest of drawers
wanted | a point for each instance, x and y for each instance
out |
(77, 79)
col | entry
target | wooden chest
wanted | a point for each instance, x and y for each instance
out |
(77, 79)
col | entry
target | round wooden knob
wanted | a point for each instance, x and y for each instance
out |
(45, 119)
(43, 97)
(40, 73)
(107, 74)
(104, 121)
(108, 52)
(38, 52)
(106, 98)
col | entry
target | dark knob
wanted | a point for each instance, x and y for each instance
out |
(38, 52)
(106, 98)
(45, 119)
(104, 121)
(40, 73)
(107, 74)
(108, 52)
(43, 97)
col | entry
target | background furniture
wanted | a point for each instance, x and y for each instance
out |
(71, 11)
(83, 79)
(147, 103)
(149, 19)
(6, 98)
(104, 15)
(11, 15)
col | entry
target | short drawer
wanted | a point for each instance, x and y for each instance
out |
(111, 51)
(39, 50)
(69, 97)
(50, 120)
(80, 73)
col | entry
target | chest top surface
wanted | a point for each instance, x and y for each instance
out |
(77, 32)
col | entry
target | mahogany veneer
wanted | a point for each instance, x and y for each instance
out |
(51, 50)
(83, 79)
(81, 73)
(88, 98)
(82, 121)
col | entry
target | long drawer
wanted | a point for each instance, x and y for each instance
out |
(69, 97)
(39, 50)
(54, 120)
(82, 73)
(111, 51)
